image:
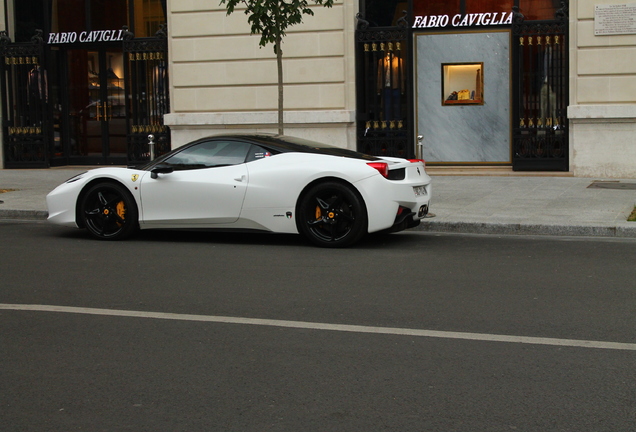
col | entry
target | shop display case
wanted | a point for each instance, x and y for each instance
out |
(462, 84)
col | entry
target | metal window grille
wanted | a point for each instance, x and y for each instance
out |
(541, 93)
(384, 96)
(25, 93)
(147, 87)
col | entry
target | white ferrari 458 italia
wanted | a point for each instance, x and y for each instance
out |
(332, 196)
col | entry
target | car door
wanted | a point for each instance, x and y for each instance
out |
(206, 187)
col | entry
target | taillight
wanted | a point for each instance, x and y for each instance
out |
(382, 167)
(418, 160)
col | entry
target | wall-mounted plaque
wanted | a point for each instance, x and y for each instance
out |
(614, 19)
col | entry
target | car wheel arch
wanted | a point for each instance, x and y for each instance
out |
(329, 182)
(88, 186)
(313, 183)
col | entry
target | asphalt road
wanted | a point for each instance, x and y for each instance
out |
(233, 332)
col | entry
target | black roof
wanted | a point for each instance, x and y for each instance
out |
(276, 144)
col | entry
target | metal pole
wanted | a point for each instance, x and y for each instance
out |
(151, 145)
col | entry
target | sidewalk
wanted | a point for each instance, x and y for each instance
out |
(539, 205)
(499, 203)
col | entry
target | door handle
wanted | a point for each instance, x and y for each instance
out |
(240, 179)
(99, 107)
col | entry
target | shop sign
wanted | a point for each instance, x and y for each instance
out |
(85, 37)
(468, 20)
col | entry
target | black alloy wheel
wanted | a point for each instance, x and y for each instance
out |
(109, 212)
(332, 214)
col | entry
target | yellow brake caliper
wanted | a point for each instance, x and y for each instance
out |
(121, 211)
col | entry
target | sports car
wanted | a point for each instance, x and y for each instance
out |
(330, 195)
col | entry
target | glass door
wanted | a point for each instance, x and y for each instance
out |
(113, 108)
(97, 111)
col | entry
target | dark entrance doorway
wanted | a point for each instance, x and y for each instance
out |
(84, 83)
(92, 128)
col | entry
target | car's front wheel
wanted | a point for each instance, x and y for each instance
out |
(332, 214)
(109, 212)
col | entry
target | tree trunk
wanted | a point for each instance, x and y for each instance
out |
(279, 62)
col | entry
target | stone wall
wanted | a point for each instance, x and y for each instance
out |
(222, 80)
(602, 108)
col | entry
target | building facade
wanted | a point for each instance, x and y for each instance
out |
(527, 84)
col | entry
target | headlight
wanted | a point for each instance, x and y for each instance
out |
(76, 177)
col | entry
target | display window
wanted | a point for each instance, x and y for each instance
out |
(435, 8)
(143, 17)
(462, 84)
(484, 6)
(539, 9)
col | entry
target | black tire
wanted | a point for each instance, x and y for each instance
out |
(332, 214)
(109, 212)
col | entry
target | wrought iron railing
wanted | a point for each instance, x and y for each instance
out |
(147, 87)
(540, 93)
(24, 87)
(384, 95)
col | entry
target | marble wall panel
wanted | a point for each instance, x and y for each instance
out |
(469, 133)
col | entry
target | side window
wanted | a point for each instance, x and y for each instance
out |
(257, 152)
(209, 154)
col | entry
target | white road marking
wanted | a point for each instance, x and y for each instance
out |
(323, 326)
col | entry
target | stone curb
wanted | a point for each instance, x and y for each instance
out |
(24, 214)
(451, 227)
(529, 229)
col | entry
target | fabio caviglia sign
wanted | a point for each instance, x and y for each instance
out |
(85, 37)
(459, 20)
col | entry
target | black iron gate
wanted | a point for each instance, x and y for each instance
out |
(146, 62)
(26, 126)
(384, 95)
(540, 93)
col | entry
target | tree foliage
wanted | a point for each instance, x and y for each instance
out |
(271, 19)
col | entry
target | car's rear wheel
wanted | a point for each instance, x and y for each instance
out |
(332, 214)
(109, 212)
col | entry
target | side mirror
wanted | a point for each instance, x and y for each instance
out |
(160, 169)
